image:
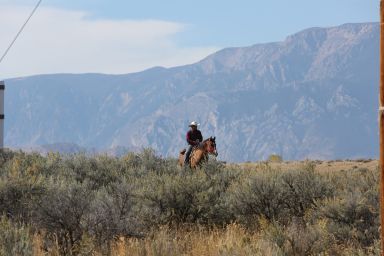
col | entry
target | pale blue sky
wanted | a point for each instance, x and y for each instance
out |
(233, 23)
(187, 30)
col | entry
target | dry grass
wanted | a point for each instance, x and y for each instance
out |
(196, 238)
(321, 166)
(233, 240)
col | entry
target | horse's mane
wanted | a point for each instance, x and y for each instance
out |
(209, 139)
(199, 152)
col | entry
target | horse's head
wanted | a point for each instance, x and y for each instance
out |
(211, 146)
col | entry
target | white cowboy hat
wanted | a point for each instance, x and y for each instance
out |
(194, 123)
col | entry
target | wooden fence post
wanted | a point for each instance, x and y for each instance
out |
(381, 125)
(2, 88)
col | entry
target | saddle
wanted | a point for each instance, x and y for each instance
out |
(184, 150)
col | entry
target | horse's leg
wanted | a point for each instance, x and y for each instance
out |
(192, 160)
(196, 158)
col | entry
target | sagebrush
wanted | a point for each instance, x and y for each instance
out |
(143, 204)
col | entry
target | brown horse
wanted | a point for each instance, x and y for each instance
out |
(199, 153)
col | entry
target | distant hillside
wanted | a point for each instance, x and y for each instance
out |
(313, 95)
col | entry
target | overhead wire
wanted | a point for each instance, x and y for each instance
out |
(21, 30)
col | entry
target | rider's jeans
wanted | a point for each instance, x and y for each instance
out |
(186, 160)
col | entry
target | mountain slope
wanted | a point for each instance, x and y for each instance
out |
(313, 95)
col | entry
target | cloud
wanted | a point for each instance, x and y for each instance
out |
(63, 41)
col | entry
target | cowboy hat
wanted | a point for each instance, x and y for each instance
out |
(194, 123)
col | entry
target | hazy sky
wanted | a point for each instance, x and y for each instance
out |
(69, 36)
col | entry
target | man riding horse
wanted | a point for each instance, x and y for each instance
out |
(193, 137)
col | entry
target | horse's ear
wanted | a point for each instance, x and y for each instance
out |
(214, 138)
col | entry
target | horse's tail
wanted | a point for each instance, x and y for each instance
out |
(181, 157)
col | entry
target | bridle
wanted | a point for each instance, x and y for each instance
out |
(212, 147)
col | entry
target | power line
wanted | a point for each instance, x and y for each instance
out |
(21, 30)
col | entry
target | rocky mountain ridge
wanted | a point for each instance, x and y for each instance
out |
(314, 95)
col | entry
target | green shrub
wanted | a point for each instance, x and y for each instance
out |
(256, 194)
(277, 195)
(304, 189)
(63, 212)
(14, 239)
(299, 238)
(82, 203)
(352, 219)
(353, 214)
(190, 197)
(18, 196)
(275, 158)
(113, 213)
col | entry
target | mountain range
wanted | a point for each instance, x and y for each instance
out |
(313, 95)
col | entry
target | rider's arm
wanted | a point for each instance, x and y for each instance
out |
(201, 137)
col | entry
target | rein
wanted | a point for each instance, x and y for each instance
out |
(200, 152)
(212, 148)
